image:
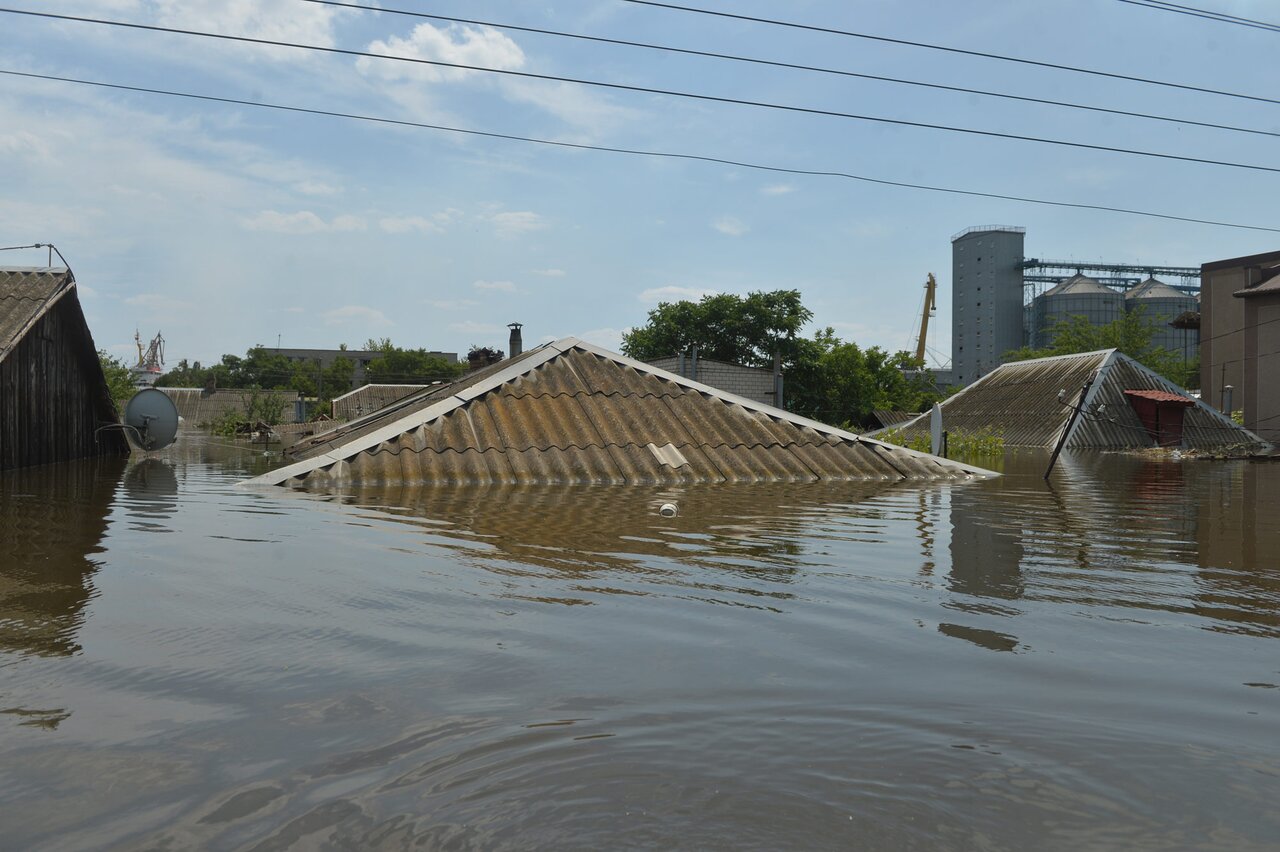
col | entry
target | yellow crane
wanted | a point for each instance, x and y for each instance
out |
(930, 308)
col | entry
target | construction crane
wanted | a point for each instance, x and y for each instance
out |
(150, 363)
(930, 309)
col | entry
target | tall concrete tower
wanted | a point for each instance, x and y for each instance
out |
(986, 299)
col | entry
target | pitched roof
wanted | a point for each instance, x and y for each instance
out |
(1270, 283)
(371, 397)
(571, 412)
(1161, 396)
(1020, 400)
(199, 406)
(26, 294)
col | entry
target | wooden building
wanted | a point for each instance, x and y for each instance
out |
(53, 394)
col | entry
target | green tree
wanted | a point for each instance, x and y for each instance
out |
(826, 378)
(119, 379)
(1130, 334)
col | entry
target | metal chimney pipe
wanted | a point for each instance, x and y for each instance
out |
(515, 345)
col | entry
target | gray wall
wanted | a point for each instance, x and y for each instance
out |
(750, 382)
(986, 300)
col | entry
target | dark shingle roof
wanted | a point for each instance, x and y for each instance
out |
(569, 412)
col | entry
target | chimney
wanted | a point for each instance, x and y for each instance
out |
(515, 345)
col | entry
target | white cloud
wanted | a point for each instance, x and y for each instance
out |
(304, 23)
(452, 304)
(315, 187)
(570, 103)
(549, 273)
(464, 45)
(516, 222)
(160, 308)
(673, 294)
(353, 314)
(25, 145)
(777, 189)
(405, 224)
(302, 222)
(495, 286)
(730, 226)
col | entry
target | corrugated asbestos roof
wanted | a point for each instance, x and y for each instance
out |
(1019, 400)
(570, 412)
(25, 294)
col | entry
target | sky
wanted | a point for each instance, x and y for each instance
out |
(226, 226)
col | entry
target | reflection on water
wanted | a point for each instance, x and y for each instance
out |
(1003, 664)
(52, 521)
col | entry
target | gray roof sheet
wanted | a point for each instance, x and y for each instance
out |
(1020, 401)
(569, 412)
(369, 398)
(25, 294)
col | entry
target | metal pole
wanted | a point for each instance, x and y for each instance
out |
(1075, 414)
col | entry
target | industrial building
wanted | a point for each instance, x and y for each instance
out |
(570, 412)
(1240, 353)
(1003, 300)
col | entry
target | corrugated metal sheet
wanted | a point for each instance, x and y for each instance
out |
(1019, 400)
(574, 414)
(370, 398)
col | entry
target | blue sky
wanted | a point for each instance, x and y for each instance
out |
(229, 226)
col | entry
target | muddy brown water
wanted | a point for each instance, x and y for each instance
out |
(993, 665)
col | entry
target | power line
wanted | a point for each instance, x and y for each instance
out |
(794, 66)
(1192, 11)
(648, 90)
(638, 152)
(958, 50)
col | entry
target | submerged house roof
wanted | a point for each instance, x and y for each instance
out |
(368, 398)
(1020, 401)
(571, 412)
(53, 393)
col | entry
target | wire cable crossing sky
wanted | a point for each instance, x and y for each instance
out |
(317, 172)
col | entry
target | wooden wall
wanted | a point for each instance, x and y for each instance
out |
(53, 396)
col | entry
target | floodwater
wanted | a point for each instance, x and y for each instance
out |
(991, 665)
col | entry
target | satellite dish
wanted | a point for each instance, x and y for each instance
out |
(152, 419)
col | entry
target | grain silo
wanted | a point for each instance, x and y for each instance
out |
(1077, 296)
(1160, 304)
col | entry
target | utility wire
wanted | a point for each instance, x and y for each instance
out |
(794, 66)
(928, 46)
(1192, 11)
(648, 90)
(640, 152)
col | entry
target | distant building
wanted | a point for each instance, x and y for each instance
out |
(1128, 407)
(1077, 296)
(754, 383)
(986, 299)
(53, 394)
(1260, 374)
(570, 413)
(360, 358)
(1223, 337)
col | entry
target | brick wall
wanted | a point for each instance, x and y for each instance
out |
(750, 382)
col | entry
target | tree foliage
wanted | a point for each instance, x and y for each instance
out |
(825, 378)
(1131, 334)
(119, 379)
